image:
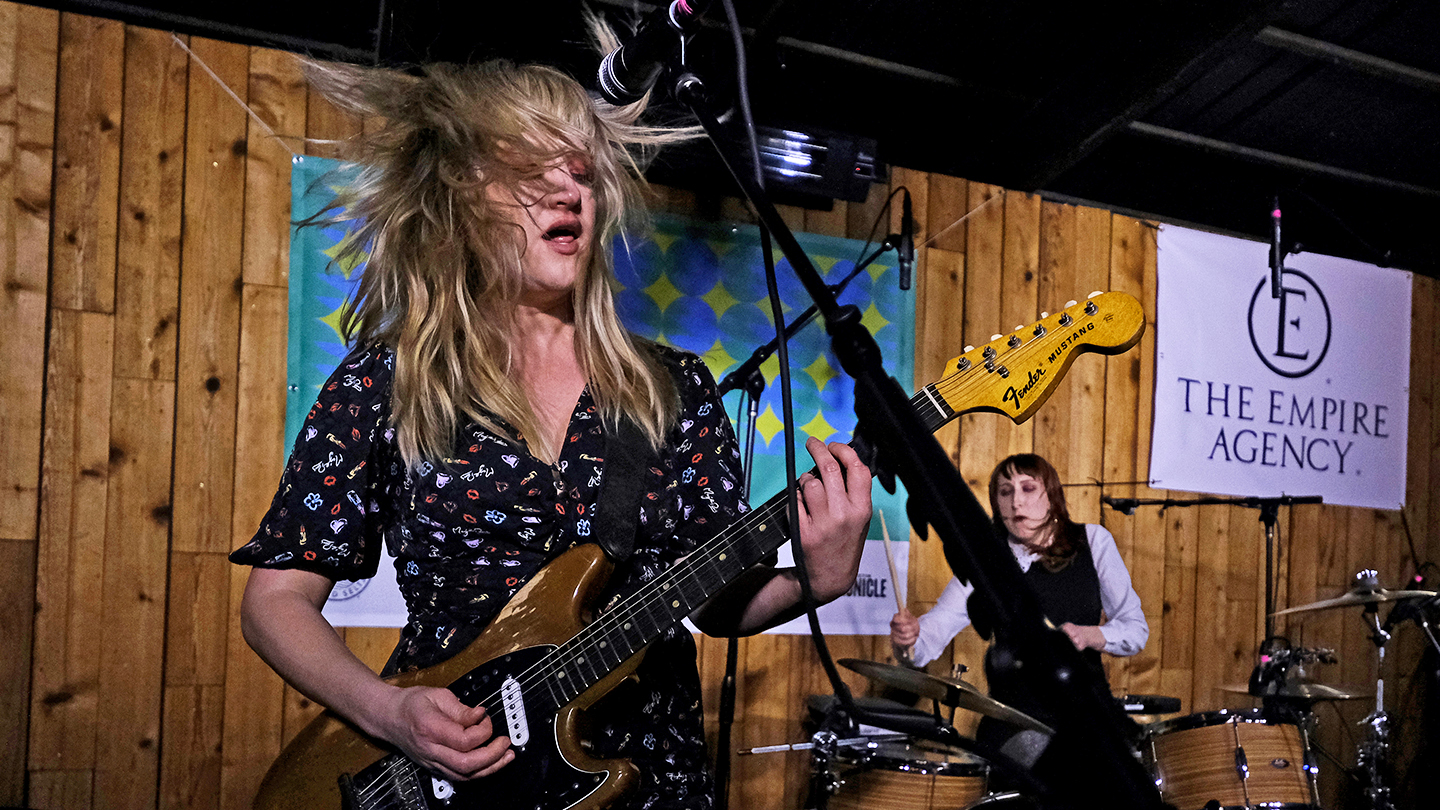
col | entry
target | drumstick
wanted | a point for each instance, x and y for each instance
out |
(890, 558)
(894, 575)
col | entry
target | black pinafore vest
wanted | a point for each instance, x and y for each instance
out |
(1071, 594)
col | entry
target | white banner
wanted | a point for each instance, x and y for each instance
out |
(1305, 394)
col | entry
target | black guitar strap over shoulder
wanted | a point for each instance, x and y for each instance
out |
(627, 456)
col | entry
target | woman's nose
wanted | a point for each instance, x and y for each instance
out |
(564, 188)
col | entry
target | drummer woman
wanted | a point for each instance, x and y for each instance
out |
(1074, 568)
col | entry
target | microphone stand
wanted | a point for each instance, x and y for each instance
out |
(752, 386)
(751, 383)
(1089, 728)
(1269, 515)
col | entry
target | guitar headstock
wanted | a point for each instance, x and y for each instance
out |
(1014, 374)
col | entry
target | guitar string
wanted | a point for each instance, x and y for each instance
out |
(631, 606)
(397, 763)
(693, 574)
(553, 662)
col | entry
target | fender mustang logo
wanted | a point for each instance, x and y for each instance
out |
(1016, 396)
(1059, 351)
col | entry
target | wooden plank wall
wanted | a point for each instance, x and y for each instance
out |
(144, 242)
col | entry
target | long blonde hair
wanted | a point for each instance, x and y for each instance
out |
(444, 270)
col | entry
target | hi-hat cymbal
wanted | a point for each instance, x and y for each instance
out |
(1306, 690)
(1358, 596)
(947, 691)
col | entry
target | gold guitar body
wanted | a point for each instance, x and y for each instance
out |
(550, 609)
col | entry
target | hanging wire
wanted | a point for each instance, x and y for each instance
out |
(295, 156)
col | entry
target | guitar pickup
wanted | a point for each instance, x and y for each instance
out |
(513, 701)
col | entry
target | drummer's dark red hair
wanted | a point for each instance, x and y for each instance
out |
(1068, 533)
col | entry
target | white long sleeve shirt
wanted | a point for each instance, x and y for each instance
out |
(1125, 631)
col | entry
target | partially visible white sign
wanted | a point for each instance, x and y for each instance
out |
(374, 602)
(1305, 394)
(867, 608)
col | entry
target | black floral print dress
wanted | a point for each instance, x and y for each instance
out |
(469, 531)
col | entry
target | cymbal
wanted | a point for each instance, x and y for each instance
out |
(948, 691)
(1357, 596)
(1306, 690)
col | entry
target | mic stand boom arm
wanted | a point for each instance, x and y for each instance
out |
(940, 499)
(1269, 515)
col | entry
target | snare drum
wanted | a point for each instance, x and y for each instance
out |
(1233, 756)
(907, 776)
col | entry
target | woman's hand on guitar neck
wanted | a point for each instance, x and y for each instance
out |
(834, 517)
(440, 733)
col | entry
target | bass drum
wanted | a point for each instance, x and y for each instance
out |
(907, 776)
(1234, 757)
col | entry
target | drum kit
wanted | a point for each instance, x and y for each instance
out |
(1230, 758)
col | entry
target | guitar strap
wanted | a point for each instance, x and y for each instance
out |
(627, 456)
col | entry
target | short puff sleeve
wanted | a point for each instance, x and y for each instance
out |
(334, 502)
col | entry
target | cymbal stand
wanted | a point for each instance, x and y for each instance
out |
(1372, 757)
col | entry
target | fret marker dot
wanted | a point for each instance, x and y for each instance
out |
(722, 556)
(762, 527)
(602, 644)
(627, 625)
(676, 603)
(559, 674)
(665, 587)
(580, 660)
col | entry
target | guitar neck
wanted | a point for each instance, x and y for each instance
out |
(660, 604)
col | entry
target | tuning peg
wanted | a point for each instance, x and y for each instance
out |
(1093, 294)
(1069, 304)
(995, 337)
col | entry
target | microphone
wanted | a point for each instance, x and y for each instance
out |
(1277, 254)
(905, 251)
(1125, 506)
(631, 70)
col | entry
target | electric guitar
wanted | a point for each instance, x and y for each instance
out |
(540, 664)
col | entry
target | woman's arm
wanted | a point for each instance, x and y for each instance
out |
(1126, 631)
(281, 620)
(941, 623)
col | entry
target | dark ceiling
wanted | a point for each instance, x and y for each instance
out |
(1195, 112)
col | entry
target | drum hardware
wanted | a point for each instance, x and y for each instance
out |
(885, 770)
(899, 775)
(944, 691)
(806, 746)
(1373, 751)
(1148, 704)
